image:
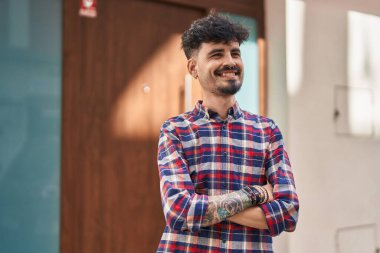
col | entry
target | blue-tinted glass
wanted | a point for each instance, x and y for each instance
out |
(30, 120)
(248, 96)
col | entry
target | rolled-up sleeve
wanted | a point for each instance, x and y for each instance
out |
(282, 213)
(183, 208)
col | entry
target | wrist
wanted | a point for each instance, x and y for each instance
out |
(253, 194)
(258, 194)
(264, 195)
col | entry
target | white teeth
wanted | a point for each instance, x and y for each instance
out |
(228, 74)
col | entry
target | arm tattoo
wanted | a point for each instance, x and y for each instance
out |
(222, 206)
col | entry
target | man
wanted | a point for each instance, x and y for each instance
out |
(218, 163)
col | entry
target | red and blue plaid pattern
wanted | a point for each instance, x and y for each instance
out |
(199, 155)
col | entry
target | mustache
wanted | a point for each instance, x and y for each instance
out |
(226, 68)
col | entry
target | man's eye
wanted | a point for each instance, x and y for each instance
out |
(216, 55)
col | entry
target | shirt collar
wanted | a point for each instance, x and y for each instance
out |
(202, 111)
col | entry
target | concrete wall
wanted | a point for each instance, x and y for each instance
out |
(337, 177)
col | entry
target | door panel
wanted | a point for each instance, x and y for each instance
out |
(123, 75)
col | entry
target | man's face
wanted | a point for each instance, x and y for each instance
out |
(219, 68)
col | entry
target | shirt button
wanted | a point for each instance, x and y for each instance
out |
(223, 241)
(225, 153)
(225, 185)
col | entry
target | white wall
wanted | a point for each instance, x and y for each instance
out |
(338, 178)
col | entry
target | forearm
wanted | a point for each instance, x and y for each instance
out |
(251, 217)
(221, 207)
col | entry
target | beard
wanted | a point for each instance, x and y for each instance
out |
(231, 89)
(233, 85)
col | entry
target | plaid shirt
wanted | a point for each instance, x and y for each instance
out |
(200, 155)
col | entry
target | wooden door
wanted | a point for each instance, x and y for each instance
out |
(123, 75)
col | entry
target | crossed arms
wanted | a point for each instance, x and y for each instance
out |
(185, 210)
(226, 206)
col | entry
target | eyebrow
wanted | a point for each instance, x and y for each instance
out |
(234, 50)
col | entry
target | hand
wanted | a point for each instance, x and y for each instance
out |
(269, 189)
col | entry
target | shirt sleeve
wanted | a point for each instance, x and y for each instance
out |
(183, 208)
(282, 213)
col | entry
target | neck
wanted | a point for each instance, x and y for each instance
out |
(219, 104)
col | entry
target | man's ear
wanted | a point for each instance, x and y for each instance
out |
(192, 67)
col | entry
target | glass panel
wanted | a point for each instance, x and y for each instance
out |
(248, 96)
(30, 120)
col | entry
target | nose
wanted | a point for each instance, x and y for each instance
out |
(229, 60)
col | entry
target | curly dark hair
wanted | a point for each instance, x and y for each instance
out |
(212, 28)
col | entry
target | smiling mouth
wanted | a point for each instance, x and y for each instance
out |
(228, 72)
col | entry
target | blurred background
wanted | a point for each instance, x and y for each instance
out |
(85, 86)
